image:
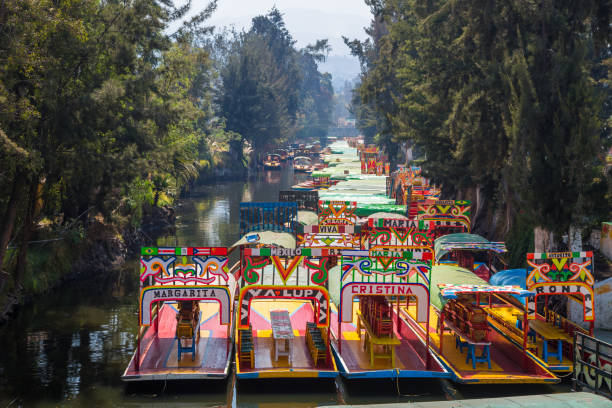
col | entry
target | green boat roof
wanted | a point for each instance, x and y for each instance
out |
(307, 217)
(366, 210)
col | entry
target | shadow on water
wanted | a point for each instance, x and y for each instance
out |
(71, 346)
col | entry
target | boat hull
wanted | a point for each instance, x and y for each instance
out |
(272, 167)
(265, 366)
(509, 365)
(158, 359)
(410, 361)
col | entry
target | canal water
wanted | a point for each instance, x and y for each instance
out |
(71, 347)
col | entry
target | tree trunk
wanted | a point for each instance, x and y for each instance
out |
(9, 217)
(26, 232)
(543, 240)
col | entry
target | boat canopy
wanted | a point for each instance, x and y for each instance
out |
(270, 238)
(307, 217)
(454, 279)
(450, 242)
(388, 215)
(302, 158)
(365, 210)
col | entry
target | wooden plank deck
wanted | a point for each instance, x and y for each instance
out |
(410, 354)
(508, 316)
(265, 365)
(508, 363)
(158, 358)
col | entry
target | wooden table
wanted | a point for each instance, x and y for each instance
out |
(549, 332)
(388, 343)
(463, 340)
(282, 332)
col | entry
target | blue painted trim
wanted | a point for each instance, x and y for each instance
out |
(320, 374)
(247, 375)
(328, 374)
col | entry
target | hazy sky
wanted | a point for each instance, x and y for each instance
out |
(307, 20)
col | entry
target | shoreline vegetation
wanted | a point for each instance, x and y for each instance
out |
(107, 116)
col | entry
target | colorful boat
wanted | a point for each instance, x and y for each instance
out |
(370, 337)
(461, 336)
(318, 181)
(546, 335)
(282, 318)
(184, 315)
(272, 162)
(302, 164)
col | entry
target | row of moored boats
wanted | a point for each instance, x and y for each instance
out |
(362, 272)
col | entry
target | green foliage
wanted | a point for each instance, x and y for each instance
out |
(510, 97)
(271, 92)
(101, 112)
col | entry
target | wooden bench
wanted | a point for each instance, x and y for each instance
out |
(549, 332)
(388, 343)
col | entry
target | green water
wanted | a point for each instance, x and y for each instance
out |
(70, 347)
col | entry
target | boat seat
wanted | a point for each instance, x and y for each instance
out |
(246, 347)
(317, 345)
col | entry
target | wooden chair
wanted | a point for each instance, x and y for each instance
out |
(317, 343)
(187, 327)
(246, 351)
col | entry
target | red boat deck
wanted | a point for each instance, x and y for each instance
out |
(508, 363)
(159, 351)
(302, 364)
(410, 355)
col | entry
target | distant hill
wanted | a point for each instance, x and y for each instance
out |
(342, 67)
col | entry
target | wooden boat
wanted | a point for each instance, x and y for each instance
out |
(461, 336)
(282, 319)
(272, 162)
(546, 335)
(395, 267)
(370, 337)
(185, 308)
(302, 164)
(318, 181)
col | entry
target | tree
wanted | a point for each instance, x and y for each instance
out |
(500, 97)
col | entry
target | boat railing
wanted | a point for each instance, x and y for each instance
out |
(272, 216)
(564, 324)
(592, 364)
